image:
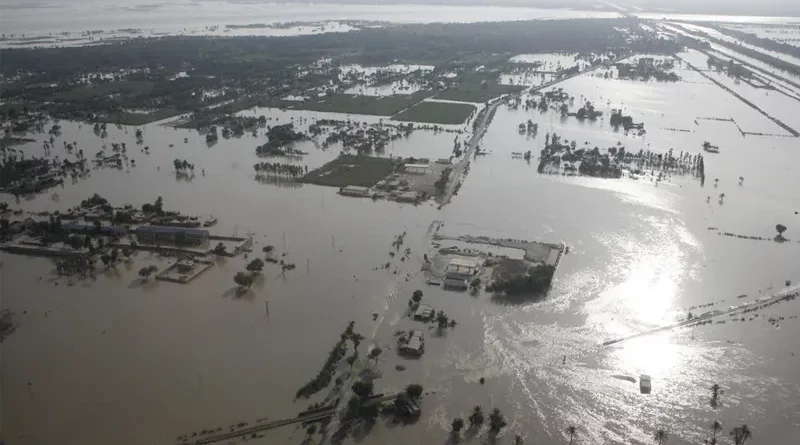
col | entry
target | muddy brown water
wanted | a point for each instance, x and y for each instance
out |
(120, 361)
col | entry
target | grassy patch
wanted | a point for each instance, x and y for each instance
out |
(9, 141)
(125, 88)
(478, 92)
(348, 103)
(364, 171)
(216, 115)
(437, 113)
(137, 118)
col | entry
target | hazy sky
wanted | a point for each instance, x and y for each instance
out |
(750, 7)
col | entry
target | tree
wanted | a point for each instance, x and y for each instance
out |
(257, 265)
(114, 255)
(780, 228)
(414, 391)
(106, 259)
(220, 249)
(740, 434)
(146, 271)
(716, 391)
(496, 420)
(243, 279)
(363, 389)
(311, 430)
(441, 319)
(374, 353)
(417, 296)
(476, 418)
(518, 440)
(178, 165)
(458, 424)
(369, 412)
(660, 436)
(571, 430)
(716, 427)
(98, 226)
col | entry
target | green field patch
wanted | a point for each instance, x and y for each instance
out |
(363, 171)
(102, 90)
(9, 141)
(373, 105)
(124, 118)
(478, 92)
(437, 113)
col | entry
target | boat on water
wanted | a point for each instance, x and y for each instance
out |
(210, 222)
(645, 385)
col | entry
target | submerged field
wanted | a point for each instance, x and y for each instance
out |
(437, 113)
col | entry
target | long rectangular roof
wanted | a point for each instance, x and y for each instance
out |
(168, 229)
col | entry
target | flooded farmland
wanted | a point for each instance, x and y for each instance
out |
(142, 361)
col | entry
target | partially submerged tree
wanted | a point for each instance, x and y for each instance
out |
(740, 434)
(780, 228)
(716, 427)
(571, 430)
(243, 279)
(146, 271)
(716, 391)
(496, 421)
(374, 353)
(660, 436)
(457, 426)
(220, 249)
(414, 391)
(476, 418)
(363, 389)
(257, 265)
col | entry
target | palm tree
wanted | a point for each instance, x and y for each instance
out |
(571, 430)
(458, 424)
(716, 391)
(496, 420)
(660, 436)
(716, 427)
(476, 418)
(740, 434)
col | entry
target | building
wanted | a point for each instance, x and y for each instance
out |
(414, 344)
(174, 235)
(460, 271)
(417, 169)
(423, 313)
(411, 197)
(90, 228)
(354, 190)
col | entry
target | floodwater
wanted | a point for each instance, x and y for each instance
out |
(22, 17)
(120, 361)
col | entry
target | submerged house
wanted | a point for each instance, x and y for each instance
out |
(174, 235)
(414, 344)
(424, 313)
(460, 271)
(354, 190)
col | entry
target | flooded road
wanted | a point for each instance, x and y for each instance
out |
(120, 361)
